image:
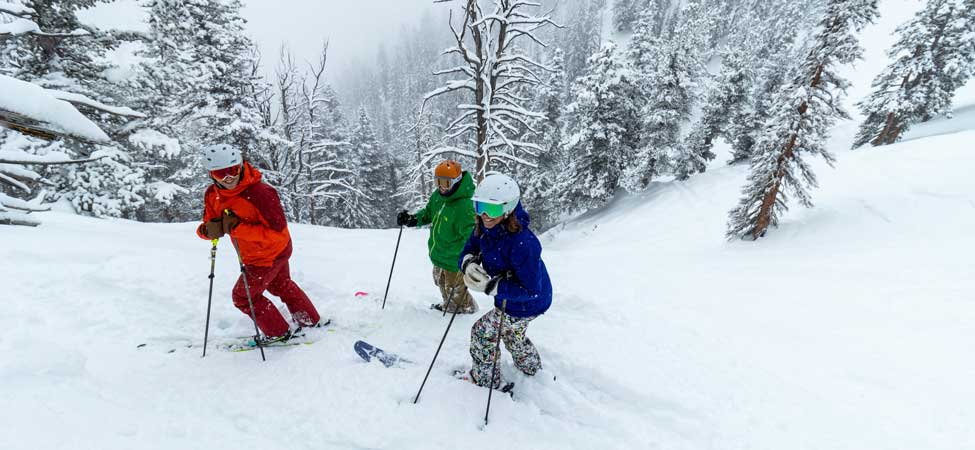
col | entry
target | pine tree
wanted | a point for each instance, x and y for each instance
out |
(539, 185)
(582, 35)
(670, 69)
(372, 175)
(931, 59)
(69, 60)
(768, 37)
(627, 13)
(200, 84)
(803, 114)
(604, 131)
(727, 107)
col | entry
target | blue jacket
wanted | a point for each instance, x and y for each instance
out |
(529, 292)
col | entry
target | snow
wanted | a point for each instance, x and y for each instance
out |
(125, 60)
(849, 327)
(22, 157)
(79, 99)
(662, 334)
(147, 138)
(37, 103)
(166, 192)
(19, 26)
(16, 9)
(122, 15)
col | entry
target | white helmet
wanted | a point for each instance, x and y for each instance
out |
(220, 156)
(498, 189)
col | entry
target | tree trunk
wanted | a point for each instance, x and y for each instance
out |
(768, 201)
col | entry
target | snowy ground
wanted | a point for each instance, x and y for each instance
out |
(847, 328)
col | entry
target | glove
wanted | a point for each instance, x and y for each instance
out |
(478, 280)
(230, 221)
(212, 229)
(406, 219)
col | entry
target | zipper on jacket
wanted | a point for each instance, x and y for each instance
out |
(436, 222)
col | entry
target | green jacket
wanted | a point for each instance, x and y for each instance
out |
(453, 221)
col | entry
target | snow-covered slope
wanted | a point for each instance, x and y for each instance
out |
(847, 328)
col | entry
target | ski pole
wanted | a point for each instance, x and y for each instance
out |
(213, 264)
(497, 356)
(393, 266)
(247, 289)
(444, 338)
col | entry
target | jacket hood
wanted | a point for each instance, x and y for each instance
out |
(522, 216)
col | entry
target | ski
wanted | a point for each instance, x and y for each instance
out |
(367, 352)
(246, 343)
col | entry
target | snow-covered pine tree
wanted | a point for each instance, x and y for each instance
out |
(627, 13)
(955, 62)
(727, 106)
(493, 68)
(769, 39)
(604, 131)
(200, 83)
(372, 174)
(930, 60)
(808, 106)
(671, 90)
(68, 59)
(538, 187)
(582, 35)
(228, 110)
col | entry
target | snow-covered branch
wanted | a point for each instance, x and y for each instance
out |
(31, 107)
(79, 99)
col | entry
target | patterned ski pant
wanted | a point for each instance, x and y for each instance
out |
(454, 291)
(484, 341)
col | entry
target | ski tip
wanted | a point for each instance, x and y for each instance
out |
(361, 294)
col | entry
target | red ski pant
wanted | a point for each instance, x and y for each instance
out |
(276, 280)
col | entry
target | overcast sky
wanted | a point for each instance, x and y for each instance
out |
(354, 28)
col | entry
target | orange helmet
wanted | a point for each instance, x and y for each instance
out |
(448, 169)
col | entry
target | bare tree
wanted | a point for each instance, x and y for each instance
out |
(492, 72)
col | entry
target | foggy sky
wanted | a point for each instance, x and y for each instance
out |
(354, 29)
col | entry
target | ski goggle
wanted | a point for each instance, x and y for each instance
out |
(446, 183)
(220, 174)
(493, 210)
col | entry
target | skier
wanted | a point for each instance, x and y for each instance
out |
(502, 258)
(240, 205)
(452, 214)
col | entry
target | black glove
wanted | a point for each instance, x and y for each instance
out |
(405, 219)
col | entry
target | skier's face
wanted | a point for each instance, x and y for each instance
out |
(229, 182)
(227, 178)
(444, 184)
(490, 222)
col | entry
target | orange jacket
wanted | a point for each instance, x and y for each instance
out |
(262, 235)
